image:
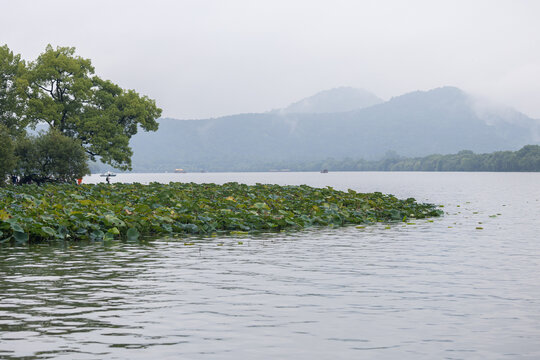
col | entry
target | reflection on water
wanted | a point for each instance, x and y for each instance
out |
(440, 289)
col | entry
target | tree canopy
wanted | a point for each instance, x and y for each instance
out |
(12, 99)
(84, 113)
(63, 92)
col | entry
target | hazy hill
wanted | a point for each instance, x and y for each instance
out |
(335, 100)
(443, 120)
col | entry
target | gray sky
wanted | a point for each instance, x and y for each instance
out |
(204, 58)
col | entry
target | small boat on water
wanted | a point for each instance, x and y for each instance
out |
(108, 174)
(324, 171)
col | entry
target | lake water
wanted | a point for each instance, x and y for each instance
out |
(465, 286)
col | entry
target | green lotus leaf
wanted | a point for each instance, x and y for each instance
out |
(96, 235)
(132, 234)
(21, 236)
(113, 231)
(62, 231)
(49, 231)
(17, 228)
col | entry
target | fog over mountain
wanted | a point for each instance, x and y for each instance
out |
(229, 57)
(443, 120)
(334, 100)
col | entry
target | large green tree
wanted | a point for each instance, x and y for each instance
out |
(63, 91)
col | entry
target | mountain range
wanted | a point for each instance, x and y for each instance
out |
(338, 123)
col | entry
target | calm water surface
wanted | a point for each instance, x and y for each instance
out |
(431, 290)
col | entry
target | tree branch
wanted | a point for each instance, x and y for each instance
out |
(90, 153)
(50, 91)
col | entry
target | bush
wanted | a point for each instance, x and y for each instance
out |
(50, 157)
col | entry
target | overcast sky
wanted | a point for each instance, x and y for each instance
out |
(204, 58)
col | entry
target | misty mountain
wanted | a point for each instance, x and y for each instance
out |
(440, 121)
(334, 100)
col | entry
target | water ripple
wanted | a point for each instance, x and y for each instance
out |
(440, 289)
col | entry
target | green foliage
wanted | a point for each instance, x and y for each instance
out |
(12, 99)
(101, 212)
(64, 93)
(526, 159)
(50, 157)
(59, 85)
(60, 89)
(7, 154)
(115, 117)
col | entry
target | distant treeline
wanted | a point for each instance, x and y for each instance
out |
(525, 159)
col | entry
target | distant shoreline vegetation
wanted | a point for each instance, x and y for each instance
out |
(527, 159)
